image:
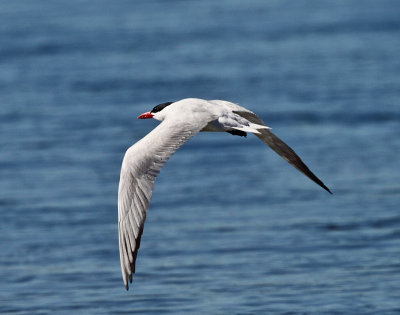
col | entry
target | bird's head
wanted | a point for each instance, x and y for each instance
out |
(156, 112)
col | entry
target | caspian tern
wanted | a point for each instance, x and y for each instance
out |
(142, 162)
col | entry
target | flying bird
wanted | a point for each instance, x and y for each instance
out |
(142, 162)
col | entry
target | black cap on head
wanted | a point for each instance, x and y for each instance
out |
(160, 107)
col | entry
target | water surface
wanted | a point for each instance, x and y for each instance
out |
(232, 228)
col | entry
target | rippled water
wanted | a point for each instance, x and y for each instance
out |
(232, 229)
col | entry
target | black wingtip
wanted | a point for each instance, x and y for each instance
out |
(127, 286)
(327, 189)
(306, 171)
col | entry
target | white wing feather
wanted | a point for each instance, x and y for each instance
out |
(141, 164)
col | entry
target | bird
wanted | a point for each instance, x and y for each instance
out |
(142, 162)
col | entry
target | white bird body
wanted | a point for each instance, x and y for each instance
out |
(142, 161)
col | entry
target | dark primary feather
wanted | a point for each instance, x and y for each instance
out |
(281, 148)
(289, 155)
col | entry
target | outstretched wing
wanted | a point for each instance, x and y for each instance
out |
(141, 164)
(281, 148)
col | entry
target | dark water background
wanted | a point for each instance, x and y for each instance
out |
(232, 228)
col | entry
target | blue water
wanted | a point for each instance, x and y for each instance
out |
(232, 228)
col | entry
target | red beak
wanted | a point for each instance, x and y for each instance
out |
(146, 115)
